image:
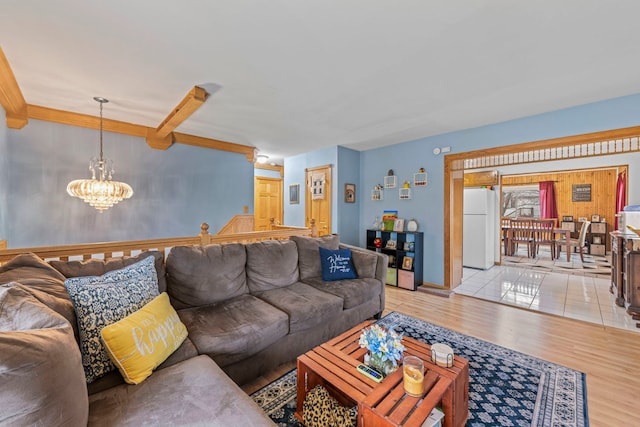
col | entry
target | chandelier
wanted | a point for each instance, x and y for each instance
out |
(100, 192)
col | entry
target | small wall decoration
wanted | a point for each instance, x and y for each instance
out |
(398, 225)
(317, 186)
(581, 193)
(349, 193)
(567, 218)
(390, 181)
(407, 263)
(595, 218)
(294, 194)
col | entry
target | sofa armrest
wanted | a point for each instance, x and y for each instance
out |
(382, 263)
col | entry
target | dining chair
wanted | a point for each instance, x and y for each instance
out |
(505, 223)
(521, 232)
(575, 243)
(543, 235)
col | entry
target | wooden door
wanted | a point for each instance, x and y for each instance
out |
(267, 202)
(318, 198)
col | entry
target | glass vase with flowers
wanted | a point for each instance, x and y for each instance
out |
(385, 348)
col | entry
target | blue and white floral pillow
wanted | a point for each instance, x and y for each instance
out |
(102, 300)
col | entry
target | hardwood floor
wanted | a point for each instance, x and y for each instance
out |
(610, 357)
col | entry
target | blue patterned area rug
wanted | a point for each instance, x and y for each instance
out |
(506, 388)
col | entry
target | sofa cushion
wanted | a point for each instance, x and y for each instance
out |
(202, 275)
(44, 282)
(41, 376)
(194, 392)
(306, 306)
(98, 267)
(365, 263)
(102, 300)
(354, 292)
(186, 351)
(234, 329)
(140, 342)
(336, 265)
(308, 259)
(271, 264)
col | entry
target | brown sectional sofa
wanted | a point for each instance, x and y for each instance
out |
(247, 308)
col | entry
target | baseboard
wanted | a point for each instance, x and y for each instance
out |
(441, 292)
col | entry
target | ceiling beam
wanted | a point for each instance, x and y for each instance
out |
(198, 141)
(85, 120)
(162, 138)
(11, 97)
(18, 113)
(191, 102)
(92, 122)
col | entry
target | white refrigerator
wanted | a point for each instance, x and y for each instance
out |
(479, 228)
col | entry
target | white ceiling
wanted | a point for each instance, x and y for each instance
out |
(294, 76)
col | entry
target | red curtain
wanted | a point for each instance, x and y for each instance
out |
(621, 194)
(548, 206)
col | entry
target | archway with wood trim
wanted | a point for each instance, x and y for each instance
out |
(617, 141)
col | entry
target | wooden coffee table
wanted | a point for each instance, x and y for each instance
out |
(333, 365)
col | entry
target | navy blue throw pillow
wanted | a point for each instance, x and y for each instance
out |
(336, 264)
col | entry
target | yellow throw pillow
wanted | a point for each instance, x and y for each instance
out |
(143, 340)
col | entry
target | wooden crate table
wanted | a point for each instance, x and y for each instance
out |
(333, 365)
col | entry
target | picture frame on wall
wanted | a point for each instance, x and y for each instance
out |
(294, 194)
(349, 193)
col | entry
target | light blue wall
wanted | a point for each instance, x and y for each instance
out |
(4, 175)
(427, 205)
(174, 190)
(295, 174)
(348, 172)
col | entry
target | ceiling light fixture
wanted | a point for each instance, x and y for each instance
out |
(101, 193)
(262, 158)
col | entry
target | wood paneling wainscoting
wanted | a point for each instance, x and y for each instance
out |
(603, 189)
(603, 183)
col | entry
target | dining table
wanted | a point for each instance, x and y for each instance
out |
(507, 232)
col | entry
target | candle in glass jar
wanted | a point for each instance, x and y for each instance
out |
(413, 376)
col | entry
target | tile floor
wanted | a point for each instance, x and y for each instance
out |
(570, 295)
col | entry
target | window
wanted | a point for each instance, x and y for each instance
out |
(521, 201)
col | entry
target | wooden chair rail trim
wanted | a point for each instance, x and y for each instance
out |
(257, 236)
(88, 250)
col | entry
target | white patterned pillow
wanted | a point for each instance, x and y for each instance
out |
(102, 300)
